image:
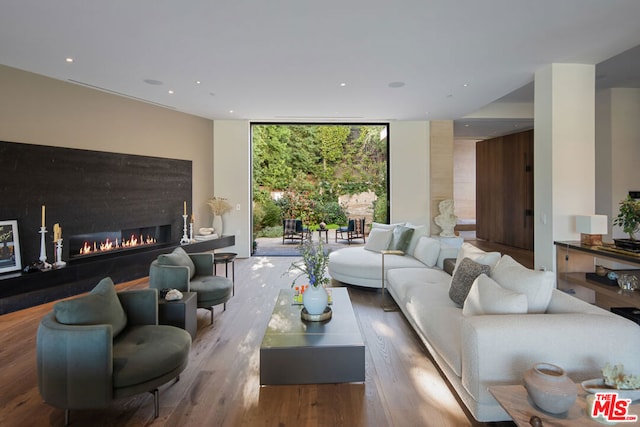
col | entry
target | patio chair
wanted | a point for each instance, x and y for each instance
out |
(292, 229)
(353, 230)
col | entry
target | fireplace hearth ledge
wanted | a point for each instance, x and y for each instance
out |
(22, 290)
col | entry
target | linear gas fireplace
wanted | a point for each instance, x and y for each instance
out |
(90, 245)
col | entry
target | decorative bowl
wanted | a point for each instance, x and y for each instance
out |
(597, 386)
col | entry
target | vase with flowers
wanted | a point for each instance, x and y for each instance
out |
(313, 266)
(219, 206)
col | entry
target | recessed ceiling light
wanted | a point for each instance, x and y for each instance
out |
(170, 92)
(396, 85)
(343, 84)
(198, 82)
(69, 59)
(465, 85)
(153, 82)
(231, 111)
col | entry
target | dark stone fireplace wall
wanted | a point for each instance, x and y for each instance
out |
(85, 192)
(88, 191)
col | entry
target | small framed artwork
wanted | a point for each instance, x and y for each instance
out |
(9, 247)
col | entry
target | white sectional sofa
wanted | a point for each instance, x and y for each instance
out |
(362, 265)
(511, 318)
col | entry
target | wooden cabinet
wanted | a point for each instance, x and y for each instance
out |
(504, 190)
(575, 264)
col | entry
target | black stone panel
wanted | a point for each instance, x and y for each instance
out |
(88, 191)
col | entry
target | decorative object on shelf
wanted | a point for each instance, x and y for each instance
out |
(219, 206)
(614, 379)
(9, 247)
(591, 229)
(57, 242)
(193, 219)
(313, 266)
(446, 220)
(601, 271)
(627, 282)
(173, 295)
(43, 265)
(185, 238)
(550, 388)
(629, 219)
(612, 275)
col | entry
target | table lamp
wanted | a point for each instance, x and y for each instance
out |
(591, 229)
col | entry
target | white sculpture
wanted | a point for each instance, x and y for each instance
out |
(446, 220)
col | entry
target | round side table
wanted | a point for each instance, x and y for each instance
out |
(227, 258)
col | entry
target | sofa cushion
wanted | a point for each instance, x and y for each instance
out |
(178, 258)
(467, 250)
(418, 231)
(463, 278)
(148, 351)
(536, 285)
(375, 225)
(378, 240)
(488, 297)
(100, 307)
(400, 238)
(427, 251)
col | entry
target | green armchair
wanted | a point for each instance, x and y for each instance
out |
(107, 345)
(191, 273)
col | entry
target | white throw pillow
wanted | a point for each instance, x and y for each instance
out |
(427, 251)
(378, 239)
(467, 250)
(488, 297)
(536, 285)
(418, 231)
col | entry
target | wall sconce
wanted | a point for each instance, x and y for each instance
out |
(591, 229)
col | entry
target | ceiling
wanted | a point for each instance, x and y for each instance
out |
(345, 61)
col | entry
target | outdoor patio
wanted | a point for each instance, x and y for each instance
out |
(273, 246)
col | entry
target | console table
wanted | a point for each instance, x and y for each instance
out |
(575, 264)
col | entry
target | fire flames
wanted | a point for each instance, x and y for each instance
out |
(108, 244)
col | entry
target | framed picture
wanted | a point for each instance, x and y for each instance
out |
(9, 247)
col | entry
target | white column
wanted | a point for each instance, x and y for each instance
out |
(564, 154)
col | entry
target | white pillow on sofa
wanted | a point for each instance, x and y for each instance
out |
(418, 231)
(427, 251)
(378, 239)
(536, 285)
(380, 225)
(467, 250)
(488, 297)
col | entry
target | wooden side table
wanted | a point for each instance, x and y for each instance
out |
(181, 313)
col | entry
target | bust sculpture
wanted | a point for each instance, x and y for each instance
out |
(446, 220)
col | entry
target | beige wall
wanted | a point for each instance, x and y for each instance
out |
(464, 178)
(40, 110)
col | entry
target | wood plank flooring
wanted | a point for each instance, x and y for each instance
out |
(220, 386)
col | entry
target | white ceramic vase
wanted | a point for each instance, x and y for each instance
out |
(315, 299)
(550, 388)
(217, 225)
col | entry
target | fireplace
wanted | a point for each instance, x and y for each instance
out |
(90, 245)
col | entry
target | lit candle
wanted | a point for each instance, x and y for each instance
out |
(185, 207)
(43, 215)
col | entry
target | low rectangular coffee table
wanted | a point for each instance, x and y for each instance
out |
(294, 351)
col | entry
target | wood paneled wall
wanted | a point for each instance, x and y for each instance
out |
(504, 190)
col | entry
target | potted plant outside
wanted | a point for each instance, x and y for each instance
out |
(629, 219)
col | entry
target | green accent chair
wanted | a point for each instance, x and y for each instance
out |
(107, 345)
(191, 273)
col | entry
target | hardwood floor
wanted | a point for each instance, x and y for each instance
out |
(220, 386)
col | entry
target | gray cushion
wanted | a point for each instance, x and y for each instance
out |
(100, 307)
(178, 258)
(401, 238)
(148, 351)
(463, 278)
(212, 290)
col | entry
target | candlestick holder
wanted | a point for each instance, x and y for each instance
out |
(191, 232)
(43, 265)
(185, 238)
(59, 262)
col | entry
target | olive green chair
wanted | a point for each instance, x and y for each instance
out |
(191, 273)
(107, 345)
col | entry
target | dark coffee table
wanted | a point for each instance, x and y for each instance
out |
(297, 352)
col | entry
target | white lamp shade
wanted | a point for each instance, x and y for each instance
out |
(591, 224)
